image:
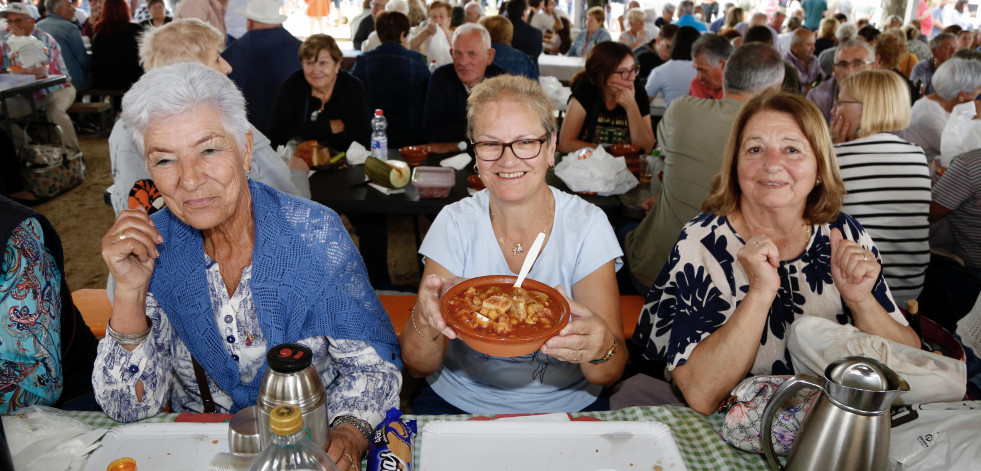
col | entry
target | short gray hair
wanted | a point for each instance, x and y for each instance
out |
(940, 38)
(686, 7)
(474, 4)
(853, 43)
(715, 48)
(52, 5)
(753, 68)
(846, 32)
(636, 14)
(955, 76)
(176, 89)
(470, 28)
(667, 7)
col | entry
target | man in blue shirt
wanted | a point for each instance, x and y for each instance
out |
(262, 58)
(395, 80)
(506, 57)
(60, 24)
(526, 38)
(686, 16)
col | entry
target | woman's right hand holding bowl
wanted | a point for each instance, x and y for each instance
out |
(428, 314)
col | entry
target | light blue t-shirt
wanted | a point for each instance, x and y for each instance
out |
(461, 239)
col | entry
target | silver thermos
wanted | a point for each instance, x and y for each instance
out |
(290, 379)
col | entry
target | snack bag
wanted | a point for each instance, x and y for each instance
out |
(391, 446)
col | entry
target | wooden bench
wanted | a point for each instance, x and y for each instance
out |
(96, 309)
(100, 108)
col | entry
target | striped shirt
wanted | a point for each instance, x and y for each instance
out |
(887, 185)
(959, 189)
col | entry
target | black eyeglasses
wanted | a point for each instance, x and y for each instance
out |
(626, 73)
(524, 149)
(854, 64)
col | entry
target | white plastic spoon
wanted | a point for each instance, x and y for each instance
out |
(530, 259)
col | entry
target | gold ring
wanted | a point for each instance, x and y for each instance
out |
(122, 235)
(865, 257)
(756, 243)
(579, 357)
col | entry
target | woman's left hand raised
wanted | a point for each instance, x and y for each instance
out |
(853, 268)
(586, 337)
(345, 446)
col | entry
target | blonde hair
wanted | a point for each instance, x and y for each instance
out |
(636, 14)
(500, 28)
(885, 100)
(183, 40)
(514, 88)
(825, 199)
(598, 14)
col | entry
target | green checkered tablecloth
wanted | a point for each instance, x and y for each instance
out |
(697, 436)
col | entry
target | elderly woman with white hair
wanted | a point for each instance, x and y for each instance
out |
(635, 36)
(188, 40)
(230, 269)
(956, 81)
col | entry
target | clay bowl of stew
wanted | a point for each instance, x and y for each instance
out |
(415, 155)
(494, 326)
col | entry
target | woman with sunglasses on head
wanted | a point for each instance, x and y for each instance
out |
(606, 106)
(512, 131)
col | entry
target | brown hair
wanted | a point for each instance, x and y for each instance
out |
(890, 48)
(311, 47)
(825, 199)
(390, 25)
(439, 4)
(598, 14)
(885, 100)
(500, 28)
(602, 62)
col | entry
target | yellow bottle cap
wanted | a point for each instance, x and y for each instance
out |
(285, 419)
(122, 464)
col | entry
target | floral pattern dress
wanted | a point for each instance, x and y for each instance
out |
(30, 306)
(702, 284)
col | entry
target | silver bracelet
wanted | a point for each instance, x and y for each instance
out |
(363, 426)
(128, 340)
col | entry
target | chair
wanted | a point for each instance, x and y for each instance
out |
(95, 308)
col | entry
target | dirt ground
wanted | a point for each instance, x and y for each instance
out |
(82, 218)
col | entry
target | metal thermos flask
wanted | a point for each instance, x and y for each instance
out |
(290, 379)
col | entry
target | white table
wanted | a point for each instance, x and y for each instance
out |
(560, 67)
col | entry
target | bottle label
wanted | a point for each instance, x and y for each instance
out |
(379, 148)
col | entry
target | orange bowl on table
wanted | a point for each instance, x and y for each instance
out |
(415, 155)
(475, 182)
(493, 318)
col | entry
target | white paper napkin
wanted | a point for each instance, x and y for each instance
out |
(387, 191)
(356, 154)
(459, 161)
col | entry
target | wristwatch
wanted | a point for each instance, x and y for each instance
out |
(364, 427)
(609, 353)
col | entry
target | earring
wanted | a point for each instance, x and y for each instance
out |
(248, 172)
(475, 170)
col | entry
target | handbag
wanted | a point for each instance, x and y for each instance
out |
(48, 170)
(744, 414)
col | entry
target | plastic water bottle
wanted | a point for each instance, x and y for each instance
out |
(289, 448)
(433, 66)
(379, 140)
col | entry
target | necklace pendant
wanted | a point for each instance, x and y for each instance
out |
(248, 339)
(517, 249)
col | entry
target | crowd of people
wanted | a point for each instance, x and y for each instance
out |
(809, 169)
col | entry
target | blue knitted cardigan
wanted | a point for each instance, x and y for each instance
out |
(308, 280)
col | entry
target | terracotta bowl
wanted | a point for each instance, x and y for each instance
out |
(415, 155)
(475, 182)
(630, 154)
(512, 346)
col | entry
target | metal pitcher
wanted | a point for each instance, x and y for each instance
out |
(291, 379)
(848, 427)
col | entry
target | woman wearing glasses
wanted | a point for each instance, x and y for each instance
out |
(510, 124)
(606, 106)
(321, 101)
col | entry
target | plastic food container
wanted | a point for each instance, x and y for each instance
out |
(433, 182)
